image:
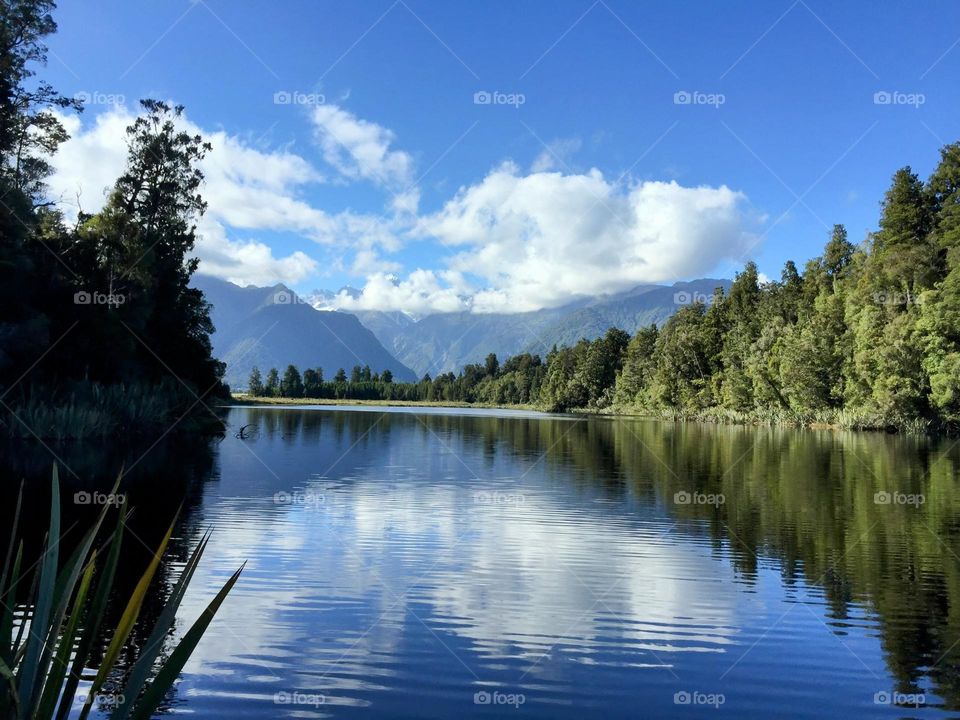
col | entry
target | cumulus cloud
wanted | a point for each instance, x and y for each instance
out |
(246, 189)
(421, 293)
(368, 262)
(247, 262)
(511, 242)
(541, 239)
(359, 148)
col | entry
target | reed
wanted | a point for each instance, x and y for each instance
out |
(44, 650)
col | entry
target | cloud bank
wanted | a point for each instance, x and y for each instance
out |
(514, 241)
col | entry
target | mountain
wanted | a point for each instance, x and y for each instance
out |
(447, 341)
(273, 327)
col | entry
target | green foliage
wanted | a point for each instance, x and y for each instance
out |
(112, 291)
(41, 668)
(272, 386)
(255, 383)
(291, 385)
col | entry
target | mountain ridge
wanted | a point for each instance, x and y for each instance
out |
(444, 342)
(273, 327)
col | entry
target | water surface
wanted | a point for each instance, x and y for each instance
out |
(403, 563)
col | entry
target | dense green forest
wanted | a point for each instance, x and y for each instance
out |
(865, 336)
(99, 331)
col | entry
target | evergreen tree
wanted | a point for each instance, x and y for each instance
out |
(255, 383)
(292, 385)
(272, 386)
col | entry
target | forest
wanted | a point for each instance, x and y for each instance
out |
(867, 335)
(99, 331)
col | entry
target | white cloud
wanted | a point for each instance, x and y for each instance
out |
(511, 242)
(87, 165)
(247, 262)
(245, 188)
(556, 155)
(368, 262)
(422, 293)
(541, 239)
(359, 148)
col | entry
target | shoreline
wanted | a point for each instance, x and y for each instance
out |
(243, 399)
(836, 421)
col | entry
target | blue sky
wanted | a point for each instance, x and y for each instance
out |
(588, 173)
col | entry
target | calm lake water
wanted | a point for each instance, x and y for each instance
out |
(448, 564)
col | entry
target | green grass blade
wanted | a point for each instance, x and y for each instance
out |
(94, 618)
(148, 654)
(9, 605)
(7, 674)
(178, 658)
(39, 625)
(12, 545)
(64, 591)
(6, 634)
(127, 621)
(58, 668)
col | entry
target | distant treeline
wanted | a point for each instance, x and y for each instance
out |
(517, 382)
(865, 336)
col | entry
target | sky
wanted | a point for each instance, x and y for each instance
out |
(504, 157)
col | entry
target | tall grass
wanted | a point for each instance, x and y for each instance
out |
(89, 410)
(43, 655)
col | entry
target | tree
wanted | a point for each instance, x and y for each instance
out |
(386, 377)
(638, 366)
(340, 376)
(272, 387)
(292, 385)
(356, 375)
(255, 383)
(312, 382)
(492, 365)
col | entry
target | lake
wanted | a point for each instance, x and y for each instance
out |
(445, 563)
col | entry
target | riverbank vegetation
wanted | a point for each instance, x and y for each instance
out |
(99, 332)
(43, 655)
(864, 336)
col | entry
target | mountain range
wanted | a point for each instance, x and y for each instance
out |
(445, 342)
(273, 327)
